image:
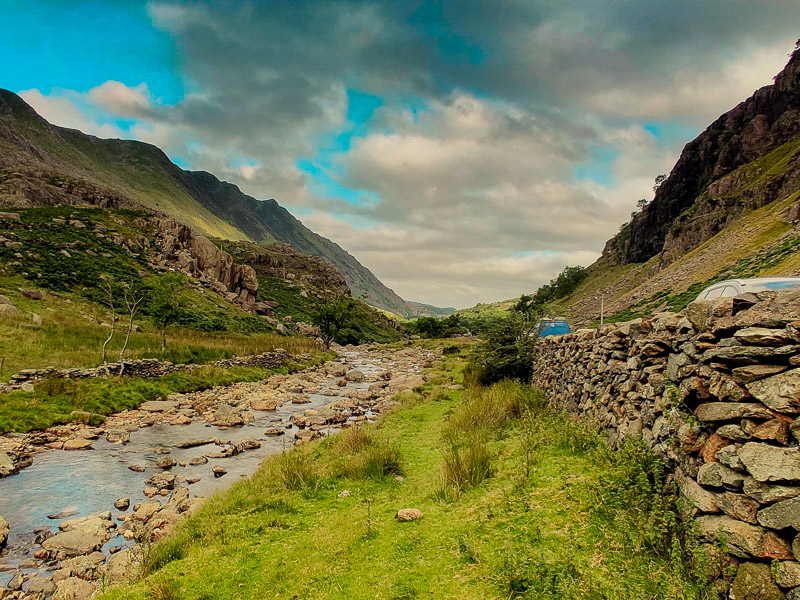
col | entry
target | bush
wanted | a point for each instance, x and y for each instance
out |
(507, 350)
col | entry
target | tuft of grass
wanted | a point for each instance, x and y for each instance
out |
(296, 472)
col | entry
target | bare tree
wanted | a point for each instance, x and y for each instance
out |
(133, 298)
(107, 286)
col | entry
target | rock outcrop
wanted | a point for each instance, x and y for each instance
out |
(714, 391)
(197, 256)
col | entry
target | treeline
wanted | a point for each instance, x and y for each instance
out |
(560, 287)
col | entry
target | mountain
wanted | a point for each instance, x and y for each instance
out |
(729, 208)
(42, 164)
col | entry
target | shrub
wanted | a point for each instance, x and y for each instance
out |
(507, 350)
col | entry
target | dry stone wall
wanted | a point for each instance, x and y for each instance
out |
(148, 368)
(715, 390)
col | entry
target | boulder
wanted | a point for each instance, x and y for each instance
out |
(754, 582)
(228, 416)
(74, 588)
(147, 510)
(40, 587)
(122, 503)
(718, 476)
(4, 529)
(769, 463)
(158, 405)
(729, 411)
(355, 376)
(165, 462)
(788, 574)
(334, 369)
(75, 542)
(780, 392)
(780, 515)
(408, 514)
(743, 539)
(8, 309)
(122, 566)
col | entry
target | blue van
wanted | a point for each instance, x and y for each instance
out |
(553, 327)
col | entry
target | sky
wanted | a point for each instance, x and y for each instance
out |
(465, 151)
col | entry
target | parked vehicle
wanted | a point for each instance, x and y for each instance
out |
(556, 326)
(734, 287)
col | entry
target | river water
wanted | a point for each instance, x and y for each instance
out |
(89, 481)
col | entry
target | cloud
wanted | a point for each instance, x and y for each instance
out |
(64, 111)
(511, 139)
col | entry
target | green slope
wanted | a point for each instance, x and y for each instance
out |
(44, 164)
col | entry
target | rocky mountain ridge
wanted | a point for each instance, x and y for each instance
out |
(753, 129)
(42, 164)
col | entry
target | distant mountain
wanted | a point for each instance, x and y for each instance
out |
(428, 310)
(42, 164)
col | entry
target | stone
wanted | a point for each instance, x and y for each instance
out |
(219, 471)
(74, 542)
(775, 430)
(761, 336)
(334, 369)
(733, 433)
(41, 587)
(767, 494)
(754, 582)
(343, 494)
(158, 405)
(264, 405)
(780, 515)
(751, 373)
(84, 567)
(743, 539)
(8, 309)
(737, 506)
(15, 584)
(77, 444)
(147, 510)
(779, 392)
(118, 436)
(122, 566)
(165, 462)
(274, 431)
(717, 475)
(162, 481)
(31, 294)
(74, 588)
(691, 437)
(136, 468)
(4, 530)
(197, 442)
(199, 460)
(788, 574)
(729, 457)
(228, 416)
(122, 503)
(408, 514)
(694, 494)
(355, 376)
(769, 463)
(729, 411)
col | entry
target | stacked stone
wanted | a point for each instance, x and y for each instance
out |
(147, 368)
(715, 390)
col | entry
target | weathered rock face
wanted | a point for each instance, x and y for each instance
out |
(747, 132)
(199, 257)
(715, 391)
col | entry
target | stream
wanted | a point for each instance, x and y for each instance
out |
(83, 482)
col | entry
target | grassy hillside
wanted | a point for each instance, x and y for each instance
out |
(518, 502)
(44, 164)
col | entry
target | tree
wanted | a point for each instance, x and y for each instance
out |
(107, 286)
(508, 347)
(659, 181)
(642, 203)
(167, 302)
(331, 316)
(132, 297)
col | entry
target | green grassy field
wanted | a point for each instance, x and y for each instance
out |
(518, 501)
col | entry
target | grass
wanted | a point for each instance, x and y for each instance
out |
(56, 401)
(558, 516)
(71, 336)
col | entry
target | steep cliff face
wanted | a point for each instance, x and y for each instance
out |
(758, 126)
